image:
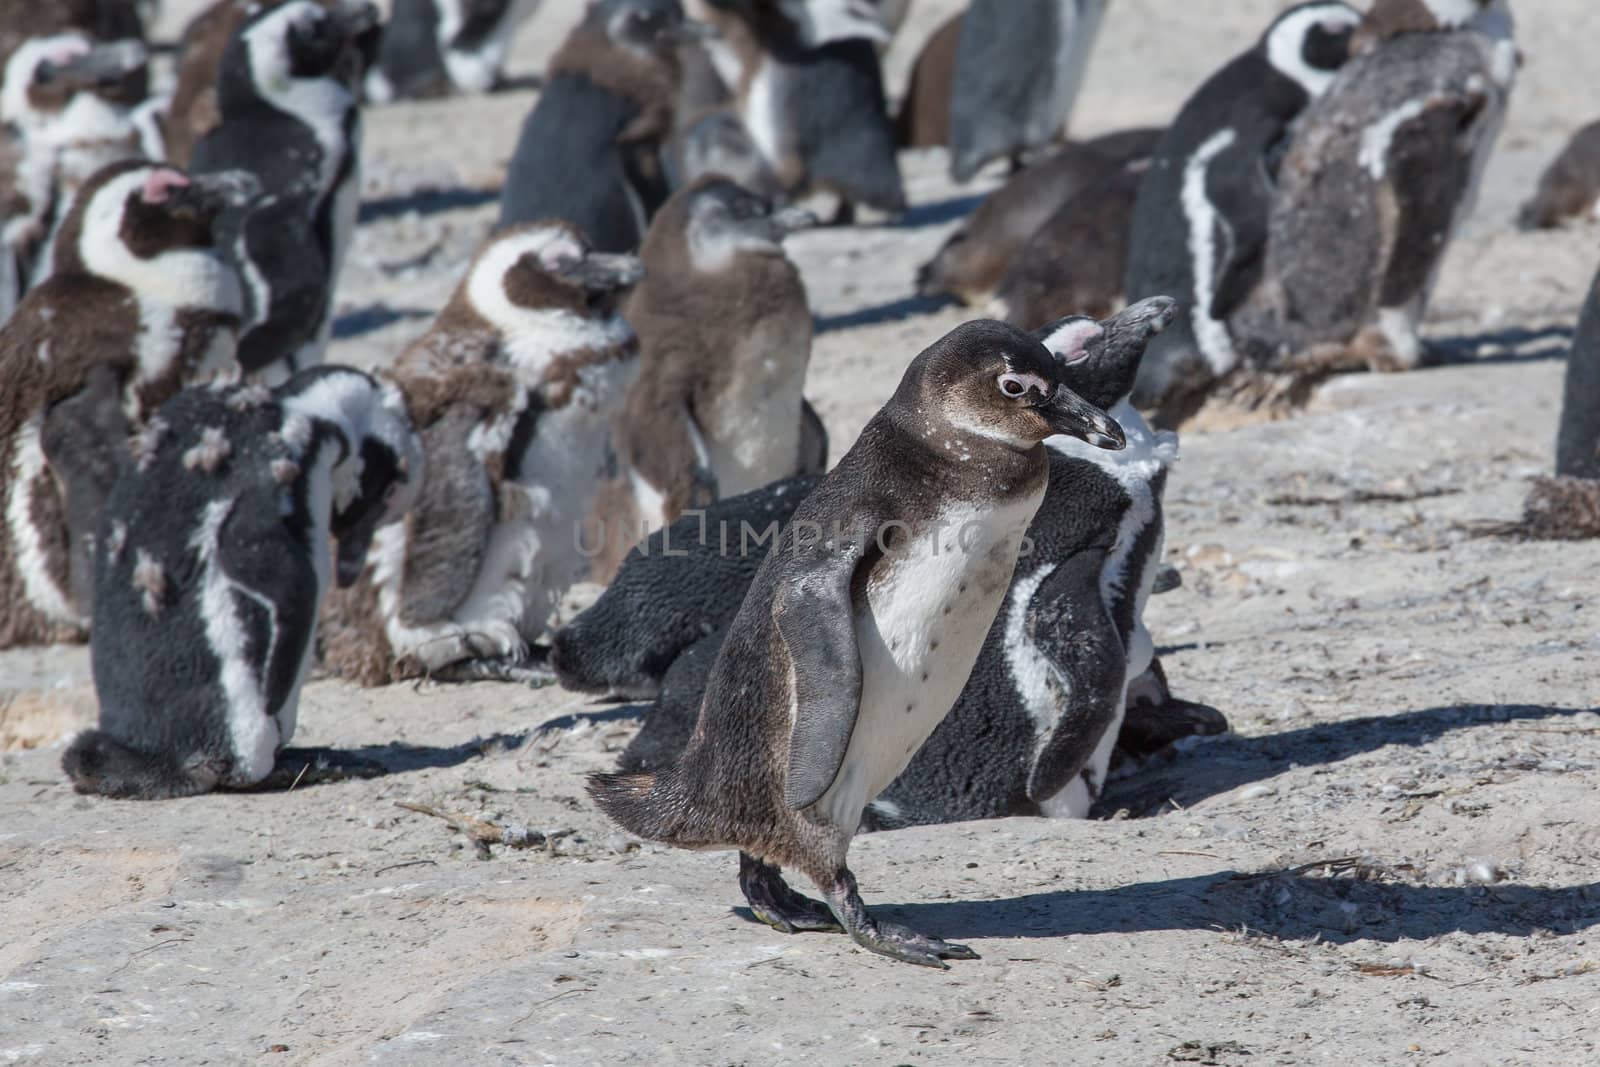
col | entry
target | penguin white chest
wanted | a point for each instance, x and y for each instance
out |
(919, 627)
(754, 436)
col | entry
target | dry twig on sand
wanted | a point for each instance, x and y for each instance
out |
(483, 833)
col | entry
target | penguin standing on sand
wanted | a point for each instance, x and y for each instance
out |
(139, 303)
(590, 150)
(290, 117)
(1200, 221)
(853, 643)
(212, 559)
(1017, 73)
(513, 390)
(430, 47)
(1381, 171)
(725, 334)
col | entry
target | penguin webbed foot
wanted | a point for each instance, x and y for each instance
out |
(886, 938)
(773, 902)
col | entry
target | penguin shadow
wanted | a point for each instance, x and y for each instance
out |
(938, 212)
(1512, 345)
(425, 202)
(1228, 761)
(519, 83)
(630, 713)
(301, 767)
(892, 311)
(373, 317)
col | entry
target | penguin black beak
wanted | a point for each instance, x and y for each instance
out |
(604, 272)
(1068, 413)
(119, 70)
(208, 194)
(1108, 363)
(791, 220)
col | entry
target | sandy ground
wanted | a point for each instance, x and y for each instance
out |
(1391, 860)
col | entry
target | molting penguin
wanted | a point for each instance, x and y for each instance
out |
(807, 83)
(138, 304)
(861, 628)
(290, 117)
(1570, 187)
(1017, 73)
(590, 151)
(430, 47)
(977, 255)
(1379, 174)
(1200, 221)
(192, 110)
(212, 558)
(725, 334)
(513, 390)
(924, 117)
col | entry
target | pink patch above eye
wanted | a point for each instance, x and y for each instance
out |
(66, 52)
(160, 184)
(1068, 344)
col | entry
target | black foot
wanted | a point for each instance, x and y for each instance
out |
(780, 907)
(889, 939)
(530, 670)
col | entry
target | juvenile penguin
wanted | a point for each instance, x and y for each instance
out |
(1018, 71)
(860, 630)
(192, 109)
(1200, 221)
(431, 47)
(972, 262)
(1570, 187)
(212, 558)
(923, 120)
(139, 303)
(290, 117)
(807, 82)
(513, 390)
(1379, 174)
(725, 336)
(590, 150)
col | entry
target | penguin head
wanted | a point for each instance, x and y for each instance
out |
(528, 271)
(1100, 360)
(721, 220)
(1310, 42)
(473, 36)
(645, 27)
(299, 41)
(47, 74)
(810, 23)
(989, 379)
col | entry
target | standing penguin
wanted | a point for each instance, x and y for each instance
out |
(725, 334)
(807, 82)
(860, 630)
(290, 117)
(924, 116)
(139, 303)
(102, 20)
(430, 47)
(1200, 221)
(1570, 187)
(1380, 173)
(212, 558)
(192, 109)
(1017, 74)
(513, 390)
(590, 150)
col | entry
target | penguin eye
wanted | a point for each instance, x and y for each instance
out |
(1013, 385)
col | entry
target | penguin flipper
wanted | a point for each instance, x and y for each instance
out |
(271, 574)
(81, 439)
(450, 522)
(663, 443)
(1069, 623)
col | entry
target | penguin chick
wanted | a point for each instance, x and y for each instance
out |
(513, 389)
(212, 558)
(971, 263)
(1380, 172)
(808, 84)
(139, 303)
(725, 336)
(431, 47)
(1017, 73)
(290, 117)
(1200, 220)
(923, 120)
(1570, 187)
(871, 607)
(590, 150)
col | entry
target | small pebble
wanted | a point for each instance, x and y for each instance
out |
(1256, 792)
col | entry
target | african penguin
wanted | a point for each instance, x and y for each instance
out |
(139, 303)
(290, 117)
(1017, 73)
(725, 339)
(718, 143)
(807, 82)
(924, 116)
(513, 390)
(100, 20)
(860, 630)
(212, 557)
(431, 47)
(1380, 172)
(590, 150)
(192, 110)
(974, 259)
(1570, 187)
(1200, 220)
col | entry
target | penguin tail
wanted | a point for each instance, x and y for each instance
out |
(99, 763)
(651, 805)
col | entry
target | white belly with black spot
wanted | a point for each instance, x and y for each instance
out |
(927, 611)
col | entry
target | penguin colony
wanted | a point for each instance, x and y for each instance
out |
(944, 624)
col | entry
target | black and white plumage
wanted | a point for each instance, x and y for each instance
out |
(1379, 174)
(212, 559)
(1200, 220)
(290, 117)
(1017, 73)
(431, 47)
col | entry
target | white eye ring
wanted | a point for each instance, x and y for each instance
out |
(1015, 385)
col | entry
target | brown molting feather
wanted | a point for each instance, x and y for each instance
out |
(209, 452)
(651, 82)
(194, 112)
(1391, 18)
(485, 388)
(150, 580)
(353, 644)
